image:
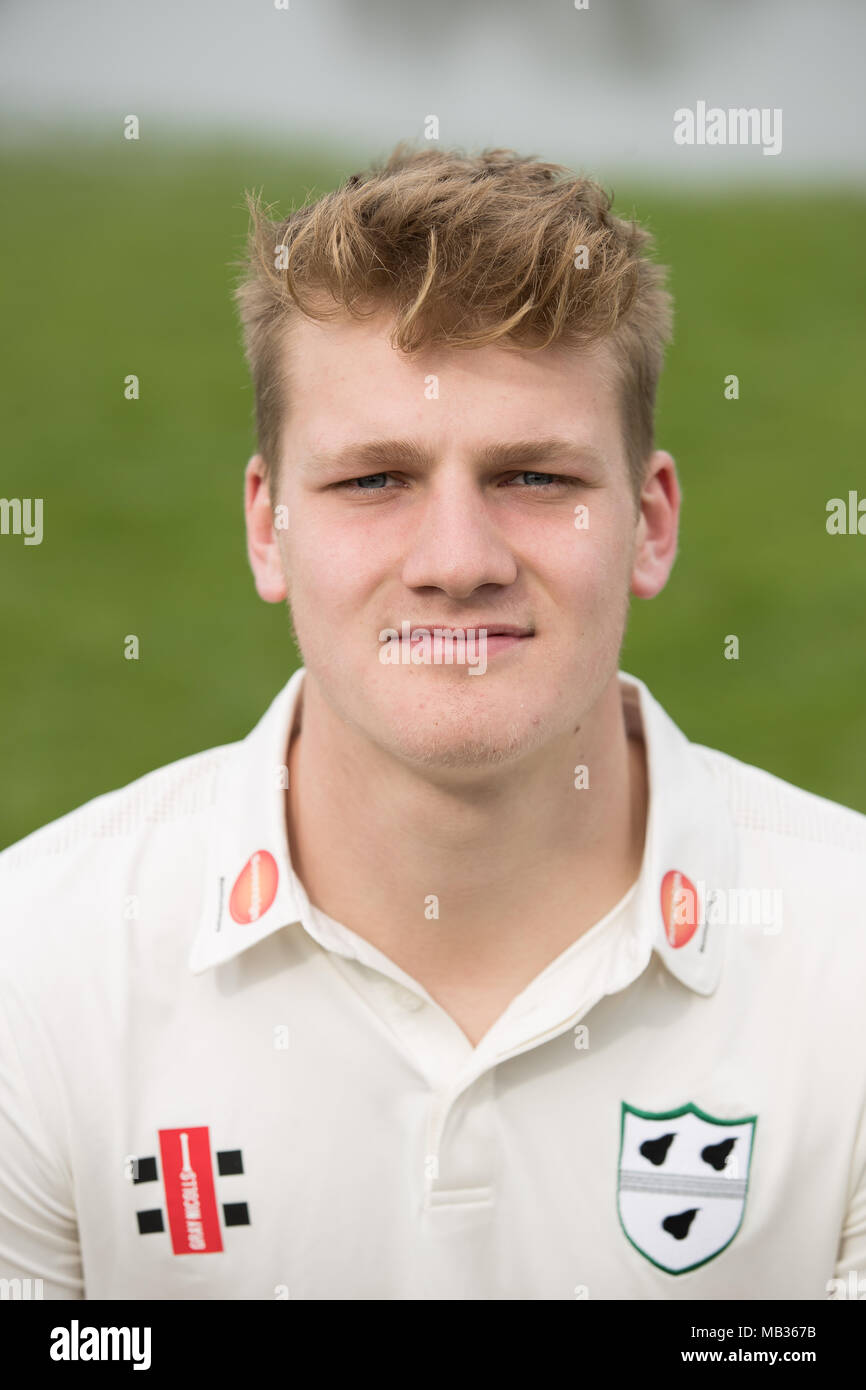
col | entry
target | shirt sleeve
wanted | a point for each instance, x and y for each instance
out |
(38, 1227)
(852, 1241)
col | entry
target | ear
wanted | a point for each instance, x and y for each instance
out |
(658, 527)
(262, 546)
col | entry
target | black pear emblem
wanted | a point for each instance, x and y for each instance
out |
(678, 1226)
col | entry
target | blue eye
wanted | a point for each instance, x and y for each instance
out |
(370, 483)
(543, 482)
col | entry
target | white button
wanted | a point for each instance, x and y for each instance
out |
(408, 998)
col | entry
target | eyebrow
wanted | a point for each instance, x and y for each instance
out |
(383, 455)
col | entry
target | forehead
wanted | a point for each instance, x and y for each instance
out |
(346, 381)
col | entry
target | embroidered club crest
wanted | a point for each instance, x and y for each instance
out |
(683, 1177)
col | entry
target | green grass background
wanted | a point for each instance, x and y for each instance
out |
(118, 259)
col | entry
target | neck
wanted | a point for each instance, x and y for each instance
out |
(520, 861)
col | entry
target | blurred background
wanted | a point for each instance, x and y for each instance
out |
(118, 257)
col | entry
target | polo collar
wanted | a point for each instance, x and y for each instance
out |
(251, 889)
(690, 849)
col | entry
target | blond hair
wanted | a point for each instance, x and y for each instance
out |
(463, 251)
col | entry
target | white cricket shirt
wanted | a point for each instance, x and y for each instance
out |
(210, 1090)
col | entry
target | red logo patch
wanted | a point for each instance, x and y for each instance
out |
(679, 908)
(187, 1175)
(255, 888)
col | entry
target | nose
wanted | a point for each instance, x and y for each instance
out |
(455, 545)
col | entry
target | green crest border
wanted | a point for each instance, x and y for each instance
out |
(689, 1109)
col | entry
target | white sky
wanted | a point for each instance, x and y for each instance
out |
(596, 88)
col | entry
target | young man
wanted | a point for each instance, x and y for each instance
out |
(465, 975)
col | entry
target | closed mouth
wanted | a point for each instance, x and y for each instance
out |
(478, 629)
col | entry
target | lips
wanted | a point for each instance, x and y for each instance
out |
(491, 629)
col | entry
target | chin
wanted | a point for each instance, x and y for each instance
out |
(433, 735)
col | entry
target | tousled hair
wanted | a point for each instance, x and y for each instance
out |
(463, 251)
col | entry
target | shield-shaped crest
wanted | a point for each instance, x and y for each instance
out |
(683, 1178)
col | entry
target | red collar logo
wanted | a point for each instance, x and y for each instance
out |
(679, 902)
(255, 888)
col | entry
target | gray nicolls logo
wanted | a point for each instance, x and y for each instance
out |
(197, 1218)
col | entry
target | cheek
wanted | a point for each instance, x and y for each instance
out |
(331, 570)
(594, 568)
